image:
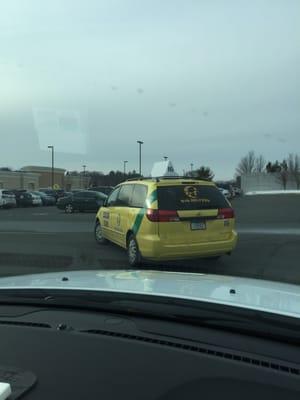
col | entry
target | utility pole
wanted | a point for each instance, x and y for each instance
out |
(52, 166)
(140, 156)
(192, 165)
(84, 167)
(22, 179)
(124, 164)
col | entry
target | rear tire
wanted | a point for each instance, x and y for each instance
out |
(99, 235)
(133, 253)
(69, 209)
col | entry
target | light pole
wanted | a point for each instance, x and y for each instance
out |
(192, 165)
(125, 162)
(84, 167)
(140, 156)
(52, 166)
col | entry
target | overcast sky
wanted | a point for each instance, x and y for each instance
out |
(202, 82)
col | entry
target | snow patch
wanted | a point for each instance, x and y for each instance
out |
(259, 192)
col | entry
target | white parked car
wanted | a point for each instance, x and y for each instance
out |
(225, 193)
(36, 200)
(237, 191)
(7, 199)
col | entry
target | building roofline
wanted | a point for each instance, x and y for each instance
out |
(36, 168)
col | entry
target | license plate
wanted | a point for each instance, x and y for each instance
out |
(197, 226)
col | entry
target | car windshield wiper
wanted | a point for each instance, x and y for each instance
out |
(197, 313)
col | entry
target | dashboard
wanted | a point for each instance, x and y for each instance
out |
(76, 354)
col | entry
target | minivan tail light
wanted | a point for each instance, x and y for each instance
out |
(162, 215)
(225, 213)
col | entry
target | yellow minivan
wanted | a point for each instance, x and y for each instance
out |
(167, 219)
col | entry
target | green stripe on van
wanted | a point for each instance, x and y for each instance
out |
(139, 218)
(153, 197)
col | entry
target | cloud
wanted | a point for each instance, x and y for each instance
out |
(211, 82)
(282, 140)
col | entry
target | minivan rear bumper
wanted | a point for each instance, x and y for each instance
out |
(155, 249)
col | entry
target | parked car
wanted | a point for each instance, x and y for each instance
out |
(225, 192)
(60, 193)
(54, 193)
(47, 200)
(25, 198)
(227, 186)
(237, 190)
(7, 199)
(77, 190)
(103, 189)
(85, 200)
(18, 193)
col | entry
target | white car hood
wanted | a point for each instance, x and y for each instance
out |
(274, 297)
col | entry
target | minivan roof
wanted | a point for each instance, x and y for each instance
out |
(171, 181)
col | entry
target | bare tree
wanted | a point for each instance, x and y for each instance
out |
(294, 168)
(204, 173)
(260, 163)
(273, 167)
(283, 174)
(246, 164)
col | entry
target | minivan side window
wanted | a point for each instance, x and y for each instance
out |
(113, 198)
(125, 194)
(139, 196)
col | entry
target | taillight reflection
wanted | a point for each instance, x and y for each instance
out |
(225, 213)
(162, 215)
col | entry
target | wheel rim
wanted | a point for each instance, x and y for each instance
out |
(132, 251)
(69, 208)
(99, 236)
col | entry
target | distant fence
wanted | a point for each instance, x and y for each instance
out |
(263, 181)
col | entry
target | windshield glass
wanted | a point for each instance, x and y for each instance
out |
(151, 135)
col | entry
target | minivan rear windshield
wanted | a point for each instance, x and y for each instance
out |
(190, 197)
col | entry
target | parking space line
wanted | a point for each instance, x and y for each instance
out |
(26, 233)
(269, 231)
(39, 214)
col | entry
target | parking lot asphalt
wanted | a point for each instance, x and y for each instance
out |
(45, 239)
